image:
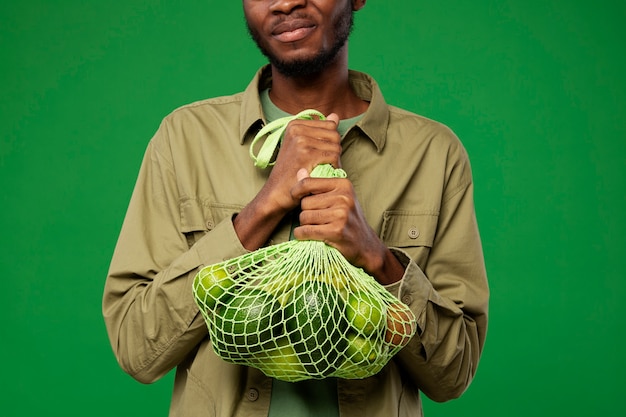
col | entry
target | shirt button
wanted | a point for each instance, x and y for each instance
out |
(253, 394)
(414, 232)
(209, 224)
(407, 299)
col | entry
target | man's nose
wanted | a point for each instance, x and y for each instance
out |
(286, 6)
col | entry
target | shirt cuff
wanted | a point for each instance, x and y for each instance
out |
(413, 289)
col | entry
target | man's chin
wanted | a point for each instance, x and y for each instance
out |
(306, 66)
(298, 69)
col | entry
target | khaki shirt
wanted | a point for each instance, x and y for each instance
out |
(412, 178)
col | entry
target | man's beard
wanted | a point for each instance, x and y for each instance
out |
(303, 67)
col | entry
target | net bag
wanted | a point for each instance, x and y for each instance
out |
(299, 310)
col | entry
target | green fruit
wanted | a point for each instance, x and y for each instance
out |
(339, 279)
(248, 321)
(360, 350)
(211, 285)
(282, 287)
(315, 326)
(364, 313)
(281, 361)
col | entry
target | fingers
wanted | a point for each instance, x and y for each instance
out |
(330, 191)
(308, 143)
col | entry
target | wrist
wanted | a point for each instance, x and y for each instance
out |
(255, 224)
(386, 268)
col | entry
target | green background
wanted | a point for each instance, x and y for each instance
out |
(535, 89)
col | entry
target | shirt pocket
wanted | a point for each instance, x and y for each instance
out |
(197, 217)
(413, 232)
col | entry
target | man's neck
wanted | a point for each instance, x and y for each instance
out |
(327, 92)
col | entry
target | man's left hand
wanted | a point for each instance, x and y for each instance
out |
(331, 213)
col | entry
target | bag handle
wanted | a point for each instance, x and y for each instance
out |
(273, 134)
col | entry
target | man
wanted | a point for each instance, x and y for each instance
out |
(405, 215)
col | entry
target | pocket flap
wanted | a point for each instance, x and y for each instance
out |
(405, 229)
(197, 215)
(193, 216)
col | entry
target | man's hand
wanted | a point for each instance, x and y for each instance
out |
(305, 144)
(331, 213)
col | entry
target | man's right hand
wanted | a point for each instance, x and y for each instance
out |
(306, 144)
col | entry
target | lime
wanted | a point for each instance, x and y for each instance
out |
(339, 279)
(360, 350)
(211, 285)
(282, 287)
(281, 361)
(315, 325)
(248, 321)
(364, 313)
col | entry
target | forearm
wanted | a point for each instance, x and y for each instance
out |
(150, 331)
(443, 356)
(149, 311)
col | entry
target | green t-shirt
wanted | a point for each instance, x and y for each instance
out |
(317, 397)
(272, 113)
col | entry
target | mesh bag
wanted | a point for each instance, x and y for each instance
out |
(299, 310)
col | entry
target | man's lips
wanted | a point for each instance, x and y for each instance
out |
(292, 30)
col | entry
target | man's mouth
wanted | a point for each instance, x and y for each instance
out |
(293, 30)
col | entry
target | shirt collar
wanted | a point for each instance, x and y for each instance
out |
(373, 124)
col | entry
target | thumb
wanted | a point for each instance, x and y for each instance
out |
(333, 117)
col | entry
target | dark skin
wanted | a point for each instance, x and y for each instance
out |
(299, 29)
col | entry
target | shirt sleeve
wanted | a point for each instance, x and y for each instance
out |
(449, 296)
(148, 307)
